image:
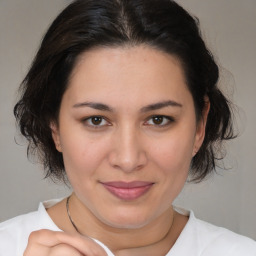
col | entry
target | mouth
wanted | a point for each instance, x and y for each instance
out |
(128, 190)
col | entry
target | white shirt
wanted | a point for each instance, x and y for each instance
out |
(198, 238)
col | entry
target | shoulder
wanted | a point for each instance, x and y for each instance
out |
(202, 238)
(14, 233)
(220, 241)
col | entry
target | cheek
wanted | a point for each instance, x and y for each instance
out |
(174, 153)
(172, 156)
(82, 157)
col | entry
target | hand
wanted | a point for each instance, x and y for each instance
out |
(51, 243)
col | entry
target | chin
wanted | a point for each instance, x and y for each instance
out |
(124, 220)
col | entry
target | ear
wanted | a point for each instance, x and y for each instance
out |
(56, 135)
(201, 125)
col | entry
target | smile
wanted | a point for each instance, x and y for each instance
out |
(128, 190)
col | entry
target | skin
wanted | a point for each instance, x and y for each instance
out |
(50, 243)
(127, 144)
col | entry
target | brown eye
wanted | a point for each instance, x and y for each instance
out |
(96, 120)
(158, 120)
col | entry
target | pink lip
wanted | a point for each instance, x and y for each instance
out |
(128, 190)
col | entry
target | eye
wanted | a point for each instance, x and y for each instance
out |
(96, 121)
(159, 120)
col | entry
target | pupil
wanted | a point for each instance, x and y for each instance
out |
(96, 120)
(158, 119)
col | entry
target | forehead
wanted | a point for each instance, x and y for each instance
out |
(127, 73)
(105, 58)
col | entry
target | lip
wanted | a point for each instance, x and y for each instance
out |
(128, 190)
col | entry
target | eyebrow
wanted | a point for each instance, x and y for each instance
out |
(151, 107)
(159, 105)
(94, 105)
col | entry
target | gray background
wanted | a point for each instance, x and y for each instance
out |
(229, 27)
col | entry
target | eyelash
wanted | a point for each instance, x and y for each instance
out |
(88, 122)
(166, 119)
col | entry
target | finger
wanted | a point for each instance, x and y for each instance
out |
(63, 250)
(36, 249)
(84, 245)
(58, 250)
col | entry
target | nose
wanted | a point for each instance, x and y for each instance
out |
(128, 153)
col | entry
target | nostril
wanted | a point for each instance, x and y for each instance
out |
(127, 151)
(128, 163)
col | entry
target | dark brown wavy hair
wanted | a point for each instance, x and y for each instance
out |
(85, 24)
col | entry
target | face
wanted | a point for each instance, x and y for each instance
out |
(127, 131)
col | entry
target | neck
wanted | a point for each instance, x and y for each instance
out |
(157, 236)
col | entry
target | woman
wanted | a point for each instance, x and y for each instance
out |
(122, 102)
